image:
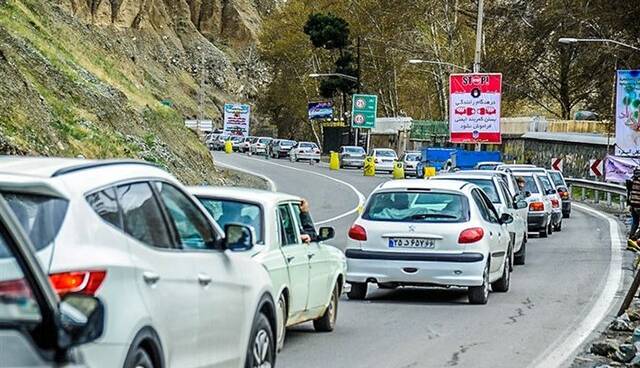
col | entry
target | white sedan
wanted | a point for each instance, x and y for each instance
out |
(429, 233)
(308, 278)
(384, 159)
(305, 151)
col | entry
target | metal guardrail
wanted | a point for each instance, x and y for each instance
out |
(599, 188)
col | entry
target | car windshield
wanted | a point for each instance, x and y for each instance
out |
(487, 185)
(557, 179)
(287, 143)
(308, 145)
(529, 184)
(264, 140)
(226, 211)
(41, 216)
(359, 150)
(546, 184)
(487, 166)
(416, 207)
(413, 156)
(385, 153)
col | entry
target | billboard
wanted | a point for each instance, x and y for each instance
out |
(236, 119)
(628, 113)
(474, 107)
(320, 110)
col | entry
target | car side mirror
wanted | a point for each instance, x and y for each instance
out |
(81, 318)
(521, 204)
(238, 237)
(506, 218)
(326, 233)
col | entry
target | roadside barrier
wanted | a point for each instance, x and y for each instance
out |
(228, 147)
(429, 171)
(369, 166)
(334, 161)
(398, 170)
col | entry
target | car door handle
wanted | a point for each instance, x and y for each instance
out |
(204, 280)
(289, 259)
(150, 278)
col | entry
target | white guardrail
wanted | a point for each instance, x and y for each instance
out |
(606, 190)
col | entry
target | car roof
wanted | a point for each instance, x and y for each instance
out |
(518, 166)
(455, 185)
(490, 163)
(242, 194)
(462, 175)
(384, 149)
(352, 147)
(47, 167)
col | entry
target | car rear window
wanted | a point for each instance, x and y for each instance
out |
(354, 149)
(264, 140)
(308, 145)
(417, 207)
(412, 157)
(487, 185)
(228, 211)
(287, 143)
(385, 153)
(529, 184)
(557, 179)
(41, 216)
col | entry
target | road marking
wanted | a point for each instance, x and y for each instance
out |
(565, 346)
(271, 183)
(361, 197)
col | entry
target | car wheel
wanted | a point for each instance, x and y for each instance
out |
(139, 359)
(503, 283)
(519, 258)
(480, 294)
(358, 291)
(566, 215)
(261, 351)
(282, 321)
(317, 161)
(327, 322)
(550, 228)
(543, 233)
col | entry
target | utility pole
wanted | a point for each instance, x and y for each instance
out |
(357, 82)
(203, 76)
(478, 53)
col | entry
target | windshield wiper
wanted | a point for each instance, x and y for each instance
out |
(432, 215)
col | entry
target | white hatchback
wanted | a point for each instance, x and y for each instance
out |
(305, 151)
(176, 292)
(307, 278)
(429, 233)
(384, 159)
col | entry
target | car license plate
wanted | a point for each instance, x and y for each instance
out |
(411, 243)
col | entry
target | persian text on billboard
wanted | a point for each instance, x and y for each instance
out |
(236, 119)
(628, 113)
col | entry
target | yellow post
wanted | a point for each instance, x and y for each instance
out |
(398, 170)
(369, 166)
(228, 147)
(334, 161)
(429, 171)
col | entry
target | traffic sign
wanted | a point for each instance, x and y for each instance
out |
(363, 111)
(596, 167)
(474, 107)
(556, 163)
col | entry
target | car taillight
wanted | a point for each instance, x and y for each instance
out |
(86, 282)
(15, 289)
(471, 235)
(555, 203)
(358, 232)
(536, 206)
(564, 194)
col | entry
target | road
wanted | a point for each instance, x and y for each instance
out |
(410, 327)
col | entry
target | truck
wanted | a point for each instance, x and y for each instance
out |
(435, 157)
(453, 158)
(467, 160)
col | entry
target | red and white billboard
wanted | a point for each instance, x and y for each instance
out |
(474, 107)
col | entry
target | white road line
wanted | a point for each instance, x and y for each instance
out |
(361, 197)
(565, 346)
(271, 183)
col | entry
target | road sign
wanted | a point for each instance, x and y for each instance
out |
(474, 107)
(363, 111)
(556, 163)
(596, 167)
(236, 119)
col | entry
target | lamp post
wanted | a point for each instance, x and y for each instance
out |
(434, 62)
(571, 41)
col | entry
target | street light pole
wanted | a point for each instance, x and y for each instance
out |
(570, 40)
(478, 53)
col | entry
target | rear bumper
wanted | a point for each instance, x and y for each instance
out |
(445, 269)
(384, 166)
(537, 221)
(352, 162)
(307, 156)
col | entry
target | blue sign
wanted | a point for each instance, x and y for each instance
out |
(320, 110)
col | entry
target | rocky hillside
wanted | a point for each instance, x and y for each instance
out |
(116, 78)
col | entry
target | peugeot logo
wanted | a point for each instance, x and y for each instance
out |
(412, 228)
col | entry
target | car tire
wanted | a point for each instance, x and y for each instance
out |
(566, 215)
(550, 228)
(480, 294)
(327, 322)
(502, 284)
(317, 161)
(543, 233)
(261, 349)
(358, 291)
(520, 257)
(281, 317)
(139, 359)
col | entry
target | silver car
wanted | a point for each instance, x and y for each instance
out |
(351, 156)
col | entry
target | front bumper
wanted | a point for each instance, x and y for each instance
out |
(537, 221)
(444, 269)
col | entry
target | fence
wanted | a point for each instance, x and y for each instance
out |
(598, 188)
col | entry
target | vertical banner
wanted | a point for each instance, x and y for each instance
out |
(474, 108)
(320, 110)
(236, 119)
(628, 113)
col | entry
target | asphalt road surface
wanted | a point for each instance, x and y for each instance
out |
(413, 327)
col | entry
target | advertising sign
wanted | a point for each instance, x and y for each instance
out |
(619, 169)
(236, 119)
(320, 110)
(474, 108)
(363, 111)
(628, 113)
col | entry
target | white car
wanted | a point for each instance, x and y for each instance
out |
(384, 159)
(410, 161)
(430, 233)
(307, 278)
(305, 151)
(259, 145)
(556, 202)
(539, 218)
(177, 292)
(504, 202)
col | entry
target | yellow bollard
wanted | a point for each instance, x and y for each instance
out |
(398, 170)
(369, 166)
(334, 161)
(228, 147)
(429, 171)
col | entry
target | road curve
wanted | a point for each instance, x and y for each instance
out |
(409, 327)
